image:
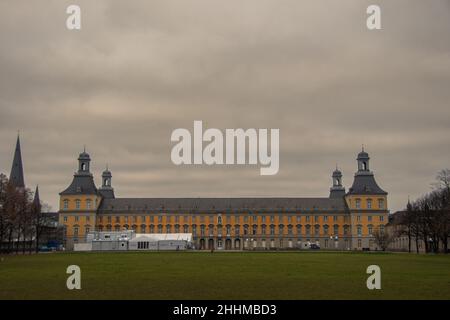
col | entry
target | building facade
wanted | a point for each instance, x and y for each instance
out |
(341, 221)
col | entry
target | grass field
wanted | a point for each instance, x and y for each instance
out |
(233, 275)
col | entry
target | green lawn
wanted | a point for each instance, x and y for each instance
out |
(233, 275)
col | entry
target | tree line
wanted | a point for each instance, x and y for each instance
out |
(427, 219)
(22, 219)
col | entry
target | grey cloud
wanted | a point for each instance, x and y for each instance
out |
(138, 70)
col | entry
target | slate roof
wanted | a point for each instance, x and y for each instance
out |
(107, 193)
(81, 184)
(364, 183)
(337, 192)
(223, 205)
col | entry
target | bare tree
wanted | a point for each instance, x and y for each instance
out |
(3, 216)
(442, 180)
(428, 218)
(382, 238)
(39, 221)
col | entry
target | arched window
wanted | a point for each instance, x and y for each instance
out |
(359, 229)
(308, 229)
(236, 230)
(336, 229)
(211, 230)
(317, 229)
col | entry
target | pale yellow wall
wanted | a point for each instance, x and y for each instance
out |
(82, 218)
(351, 201)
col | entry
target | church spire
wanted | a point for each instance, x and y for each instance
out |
(37, 200)
(16, 176)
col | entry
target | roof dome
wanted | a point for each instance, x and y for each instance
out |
(106, 172)
(84, 156)
(363, 155)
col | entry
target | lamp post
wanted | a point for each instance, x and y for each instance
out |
(431, 244)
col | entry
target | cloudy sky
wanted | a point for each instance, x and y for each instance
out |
(137, 70)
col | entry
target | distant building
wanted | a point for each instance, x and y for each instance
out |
(51, 230)
(400, 239)
(343, 220)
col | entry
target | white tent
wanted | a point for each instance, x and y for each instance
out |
(164, 236)
(160, 241)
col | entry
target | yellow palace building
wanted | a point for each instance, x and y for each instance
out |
(341, 221)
